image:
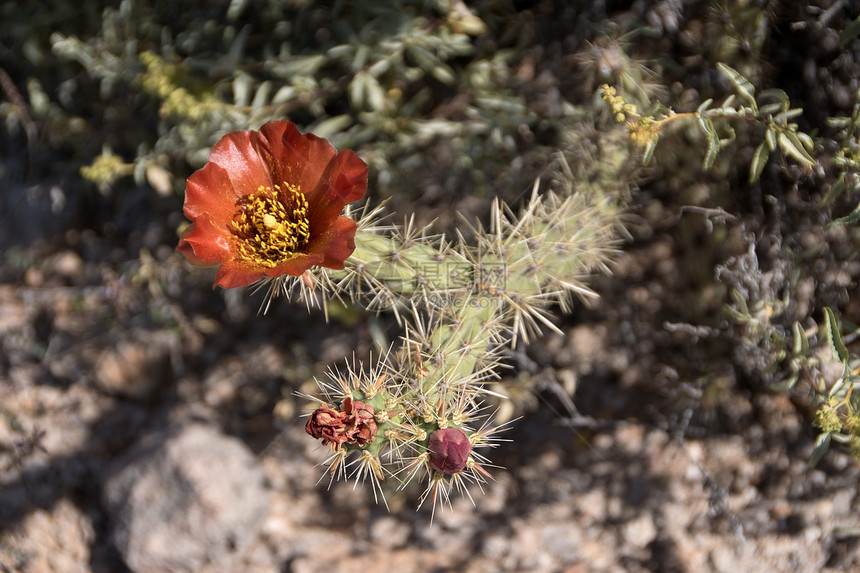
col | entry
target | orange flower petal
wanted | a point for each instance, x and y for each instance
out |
(246, 165)
(186, 249)
(209, 191)
(297, 265)
(236, 274)
(207, 242)
(298, 158)
(337, 243)
(344, 181)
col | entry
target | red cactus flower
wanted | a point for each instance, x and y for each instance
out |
(269, 202)
(449, 450)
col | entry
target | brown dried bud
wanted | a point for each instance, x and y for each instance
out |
(361, 423)
(449, 450)
(328, 424)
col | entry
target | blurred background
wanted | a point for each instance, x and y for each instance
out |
(150, 423)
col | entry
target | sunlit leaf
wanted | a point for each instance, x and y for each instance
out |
(331, 126)
(743, 86)
(261, 96)
(759, 160)
(849, 219)
(792, 147)
(807, 142)
(834, 192)
(801, 343)
(787, 115)
(357, 90)
(649, 151)
(770, 138)
(739, 301)
(822, 443)
(242, 89)
(713, 142)
(834, 336)
(704, 106)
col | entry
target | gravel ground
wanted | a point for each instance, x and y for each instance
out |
(618, 488)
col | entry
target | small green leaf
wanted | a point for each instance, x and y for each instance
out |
(801, 343)
(444, 74)
(734, 315)
(242, 86)
(787, 115)
(261, 96)
(788, 383)
(331, 126)
(374, 92)
(299, 66)
(834, 336)
(777, 94)
(759, 160)
(425, 59)
(713, 141)
(851, 31)
(743, 86)
(807, 142)
(649, 151)
(770, 138)
(821, 445)
(739, 300)
(837, 189)
(849, 219)
(704, 106)
(794, 148)
(771, 109)
(357, 90)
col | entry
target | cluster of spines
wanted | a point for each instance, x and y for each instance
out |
(407, 413)
(460, 304)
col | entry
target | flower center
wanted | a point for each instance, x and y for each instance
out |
(271, 225)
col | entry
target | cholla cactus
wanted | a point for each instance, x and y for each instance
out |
(418, 410)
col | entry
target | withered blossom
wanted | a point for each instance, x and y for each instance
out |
(355, 424)
(360, 421)
(329, 425)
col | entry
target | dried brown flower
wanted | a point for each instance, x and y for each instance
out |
(328, 424)
(361, 422)
(356, 424)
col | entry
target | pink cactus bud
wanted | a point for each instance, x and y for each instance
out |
(449, 450)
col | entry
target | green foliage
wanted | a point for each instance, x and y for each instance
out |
(847, 163)
(790, 356)
(396, 80)
(779, 132)
(838, 415)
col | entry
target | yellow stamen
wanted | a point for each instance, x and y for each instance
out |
(271, 225)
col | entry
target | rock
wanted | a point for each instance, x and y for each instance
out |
(48, 541)
(135, 368)
(389, 532)
(185, 499)
(639, 532)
